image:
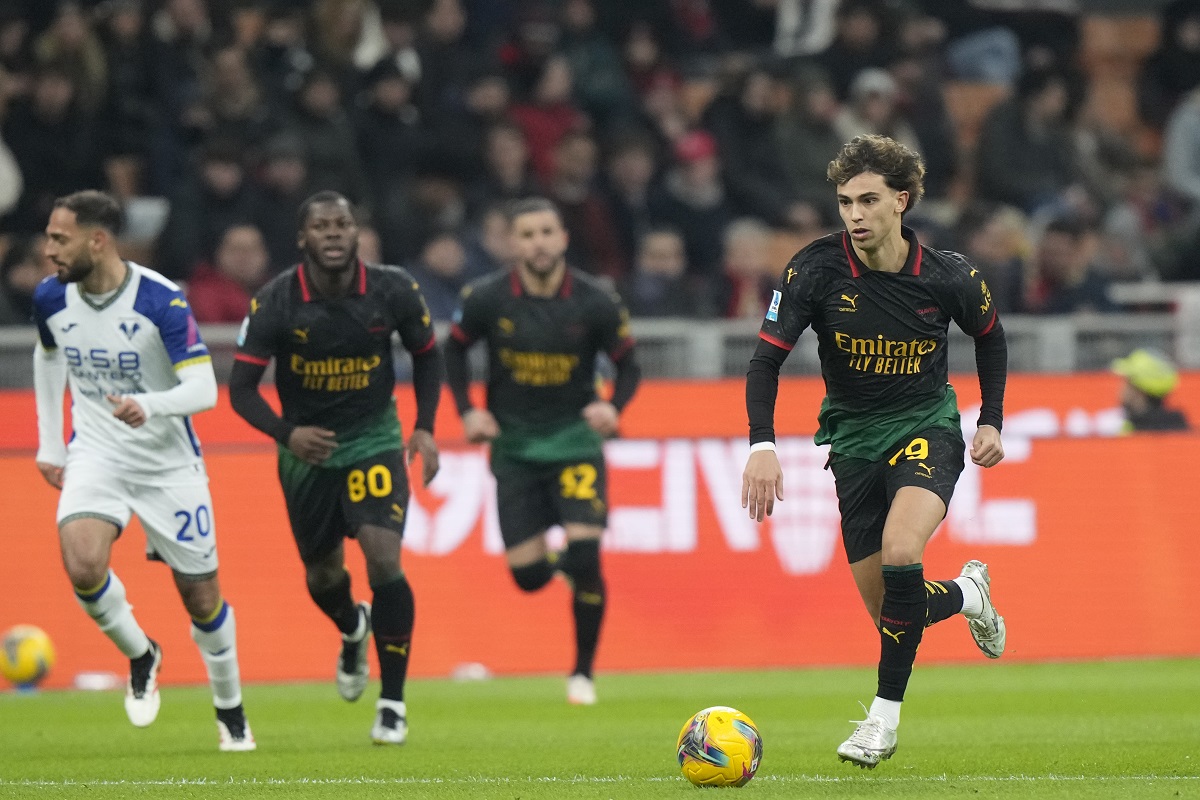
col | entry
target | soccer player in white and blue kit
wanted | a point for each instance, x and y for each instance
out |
(124, 340)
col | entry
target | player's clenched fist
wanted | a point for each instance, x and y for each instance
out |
(127, 410)
(986, 448)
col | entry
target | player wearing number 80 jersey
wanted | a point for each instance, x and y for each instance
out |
(880, 305)
(328, 323)
(124, 340)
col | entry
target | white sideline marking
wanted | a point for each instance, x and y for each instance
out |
(583, 779)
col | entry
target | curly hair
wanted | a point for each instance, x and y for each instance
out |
(901, 168)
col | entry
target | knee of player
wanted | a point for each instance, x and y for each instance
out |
(380, 573)
(323, 575)
(581, 559)
(201, 596)
(531, 577)
(87, 573)
(902, 553)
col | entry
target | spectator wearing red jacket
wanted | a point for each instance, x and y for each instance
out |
(221, 292)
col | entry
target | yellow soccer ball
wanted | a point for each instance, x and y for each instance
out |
(27, 655)
(719, 746)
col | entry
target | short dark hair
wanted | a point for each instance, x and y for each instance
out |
(92, 207)
(531, 205)
(323, 196)
(901, 167)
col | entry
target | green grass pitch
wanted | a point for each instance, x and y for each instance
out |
(1096, 730)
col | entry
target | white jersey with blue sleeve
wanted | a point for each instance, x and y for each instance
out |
(141, 341)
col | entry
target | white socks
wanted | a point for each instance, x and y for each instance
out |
(887, 710)
(112, 612)
(972, 598)
(217, 640)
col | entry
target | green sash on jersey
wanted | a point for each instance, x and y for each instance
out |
(375, 435)
(570, 441)
(870, 434)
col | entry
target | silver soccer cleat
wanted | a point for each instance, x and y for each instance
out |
(872, 741)
(988, 628)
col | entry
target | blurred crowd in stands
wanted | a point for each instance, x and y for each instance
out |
(685, 141)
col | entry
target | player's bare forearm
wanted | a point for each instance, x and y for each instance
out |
(762, 484)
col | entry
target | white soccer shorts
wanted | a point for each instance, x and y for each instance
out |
(176, 509)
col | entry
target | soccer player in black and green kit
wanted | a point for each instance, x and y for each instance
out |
(544, 324)
(328, 323)
(880, 304)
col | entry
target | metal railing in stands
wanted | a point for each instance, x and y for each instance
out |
(674, 348)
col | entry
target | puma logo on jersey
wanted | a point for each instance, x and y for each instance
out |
(397, 513)
(928, 470)
(506, 326)
(301, 335)
(254, 305)
(179, 302)
(66, 328)
(895, 635)
(401, 649)
(853, 301)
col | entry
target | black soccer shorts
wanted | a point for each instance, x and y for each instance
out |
(532, 496)
(327, 505)
(931, 459)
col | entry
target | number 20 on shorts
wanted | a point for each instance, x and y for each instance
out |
(917, 450)
(376, 481)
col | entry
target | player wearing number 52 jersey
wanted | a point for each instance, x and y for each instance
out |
(328, 324)
(544, 324)
(880, 305)
(124, 340)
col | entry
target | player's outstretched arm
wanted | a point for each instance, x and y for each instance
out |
(50, 381)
